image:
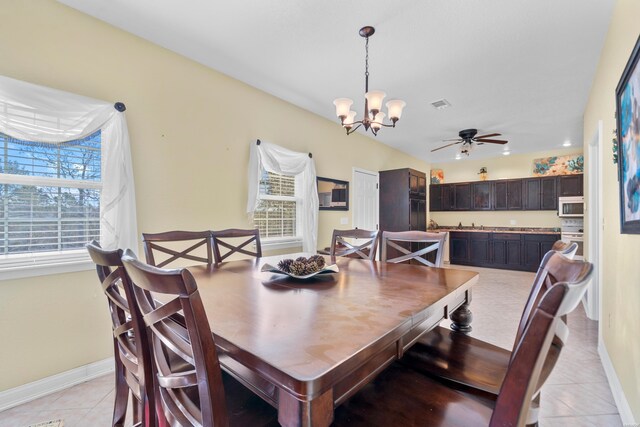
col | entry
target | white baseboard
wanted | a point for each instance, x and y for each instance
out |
(616, 388)
(31, 391)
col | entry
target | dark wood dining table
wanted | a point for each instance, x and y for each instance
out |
(307, 346)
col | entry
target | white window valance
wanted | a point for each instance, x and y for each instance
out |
(44, 115)
(273, 158)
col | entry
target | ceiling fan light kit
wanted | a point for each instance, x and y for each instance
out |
(467, 137)
(373, 116)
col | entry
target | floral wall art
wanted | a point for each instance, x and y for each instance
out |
(559, 165)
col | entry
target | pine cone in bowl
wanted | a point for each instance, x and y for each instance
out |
(298, 268)
(285, 265)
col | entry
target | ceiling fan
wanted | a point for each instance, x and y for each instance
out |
(468, 137)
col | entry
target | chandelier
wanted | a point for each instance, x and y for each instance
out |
(373, 118)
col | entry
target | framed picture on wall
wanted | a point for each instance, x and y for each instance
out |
(333, 194)
(628, 128)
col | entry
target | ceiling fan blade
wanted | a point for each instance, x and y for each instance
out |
(492, 141)
(452, 139)
(487, 136)
(445, 146)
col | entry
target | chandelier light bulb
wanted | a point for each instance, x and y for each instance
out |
(343, 105)
(377, 121)
(374, 100)
(348, 121)
(394, 108)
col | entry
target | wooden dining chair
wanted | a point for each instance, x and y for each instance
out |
(478, 365)
(171, 246)
(127, 346)
(200, 394)
(233, 240)
(430, 242)
(401, 395)
(342, 247)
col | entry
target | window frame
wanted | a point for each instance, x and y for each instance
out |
(31, 264)
(285, 242)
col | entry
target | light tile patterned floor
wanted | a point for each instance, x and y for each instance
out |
(577, 393)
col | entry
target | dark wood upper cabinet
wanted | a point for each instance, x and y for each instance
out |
(539, 193)
(548, 194)
(435, 198)
(570, 185)
(481, 199)
(448, 198)
(507, 194)
(500, 195)
(514, 194)
(422, 185)
(462, 198)
(531, 194)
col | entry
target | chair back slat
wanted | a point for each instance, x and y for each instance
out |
(192, 342)
(435, 242)
(230, 240)
(171, 245)
(129, 345)
(342, 247)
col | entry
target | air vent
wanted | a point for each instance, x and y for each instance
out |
(441, 104)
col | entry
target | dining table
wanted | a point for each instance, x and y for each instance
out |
(305, 346)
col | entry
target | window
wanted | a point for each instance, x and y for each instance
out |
(49, 197)
(276, 214)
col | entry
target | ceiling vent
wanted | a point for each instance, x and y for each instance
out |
(441, 104)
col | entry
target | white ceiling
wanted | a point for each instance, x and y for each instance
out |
(519, 67)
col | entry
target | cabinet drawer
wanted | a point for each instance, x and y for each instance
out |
(506, 236)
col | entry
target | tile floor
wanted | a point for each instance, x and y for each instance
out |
(577, 393)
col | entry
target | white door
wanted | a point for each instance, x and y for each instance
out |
(365, 199)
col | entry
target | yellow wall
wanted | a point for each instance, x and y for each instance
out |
(503, 167)
(190, 131)
(621, 270)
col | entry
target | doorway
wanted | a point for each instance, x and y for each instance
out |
(365, 199)
(591, 299)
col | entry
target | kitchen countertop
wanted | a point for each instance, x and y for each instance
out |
(515, 230)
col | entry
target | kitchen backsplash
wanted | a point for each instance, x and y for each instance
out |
(498, 218)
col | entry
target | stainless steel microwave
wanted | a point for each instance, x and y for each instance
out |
(571, 206)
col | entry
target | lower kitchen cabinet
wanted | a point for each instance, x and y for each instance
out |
(534, 247)
(510, 251)
(507, 250)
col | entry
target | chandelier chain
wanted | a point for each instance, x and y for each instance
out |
(366, 65)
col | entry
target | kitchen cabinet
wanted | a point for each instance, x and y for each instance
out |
(532, 194)
(510, 251)
(506, 251)
(403, 203)
(481, 196)
(479, 244)
(534, 246)
(459, 247)
(507, 194)
(450, 197)
(548, 194)
(570, 185)
(538, 193)
(462, 196)
(435, 198)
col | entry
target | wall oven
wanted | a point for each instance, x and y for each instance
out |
(572, 230)
(569, 207)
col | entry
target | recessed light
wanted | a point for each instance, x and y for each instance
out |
(566, 144)
(458, 157)
(506, 153)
